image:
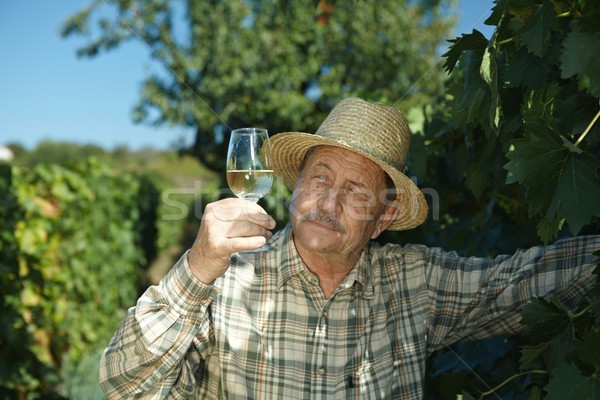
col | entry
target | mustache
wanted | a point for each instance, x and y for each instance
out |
(323, 218)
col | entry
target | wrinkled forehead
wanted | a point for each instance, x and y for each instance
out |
(341, 155)
(342, 160)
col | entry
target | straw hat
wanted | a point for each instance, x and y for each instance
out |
(372, 130)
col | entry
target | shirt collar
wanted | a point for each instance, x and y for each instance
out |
(290, 264)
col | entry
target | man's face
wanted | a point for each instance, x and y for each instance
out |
(337, 205)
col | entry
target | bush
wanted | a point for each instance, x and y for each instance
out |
(73, 240)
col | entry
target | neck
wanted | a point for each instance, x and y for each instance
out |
(331, 269)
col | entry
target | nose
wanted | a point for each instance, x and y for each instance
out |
(330, 200)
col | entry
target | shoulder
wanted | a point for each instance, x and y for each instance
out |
(392, 252)
(392, 258)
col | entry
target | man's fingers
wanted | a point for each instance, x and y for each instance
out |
(241, 210)
(247, 229)
(228, 226)
(245, 243)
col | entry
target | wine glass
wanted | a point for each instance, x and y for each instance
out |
(249, 170)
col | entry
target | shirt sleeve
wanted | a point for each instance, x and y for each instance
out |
(162, 340)
(475, 298)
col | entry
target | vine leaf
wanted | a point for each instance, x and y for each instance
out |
(550, 325)
(466, 42)
(567, 382)
(561, 179)
(588, 349)
(525, 69)
(581, 51)
(535, 33)
(489, 73)
(574, 112)
(498, 12)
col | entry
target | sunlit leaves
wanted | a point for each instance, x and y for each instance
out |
(76, 237)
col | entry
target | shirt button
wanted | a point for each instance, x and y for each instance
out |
(205, 301)
(321, 371)
(325, 314)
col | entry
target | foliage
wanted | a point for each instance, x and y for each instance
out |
(517, 128)
(70, 256)
(279, 64)
(522, 92)
(179, 179)
(62, 153)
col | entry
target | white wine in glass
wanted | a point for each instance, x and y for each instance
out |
(249, 170)
(250, 184)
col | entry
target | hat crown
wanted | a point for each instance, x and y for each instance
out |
(377, 130)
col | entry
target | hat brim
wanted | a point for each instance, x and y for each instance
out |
(289, 149)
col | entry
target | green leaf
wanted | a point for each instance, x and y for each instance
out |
(577, 192)
(537, 28)
(561, 179)
(498, 12)
(465, 396)
(567, 382)
(529, 354)
(529, 160)
(551, 326)
(581, 52)
(574, 111)
(547, 229)
(524, 69)
(489, 73)
(588, 349)
(546, 319)
(539, 107)
(472, 41)
(475, 97)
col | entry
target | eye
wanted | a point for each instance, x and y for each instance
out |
(319, 178)
(359, 194)
(318, 182)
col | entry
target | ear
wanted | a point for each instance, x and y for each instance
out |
(386, 218)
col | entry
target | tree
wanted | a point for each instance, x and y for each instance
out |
(278, 64)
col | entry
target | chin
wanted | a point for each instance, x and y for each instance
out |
(316, 238)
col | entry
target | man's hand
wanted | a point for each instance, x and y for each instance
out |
(228, 226)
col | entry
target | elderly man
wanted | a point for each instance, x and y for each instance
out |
(329, 314)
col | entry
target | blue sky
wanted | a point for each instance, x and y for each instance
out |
(46, 92)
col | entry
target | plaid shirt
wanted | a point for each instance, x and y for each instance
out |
(265, 331)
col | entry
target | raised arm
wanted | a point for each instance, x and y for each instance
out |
(472, 298)
(164, 339)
